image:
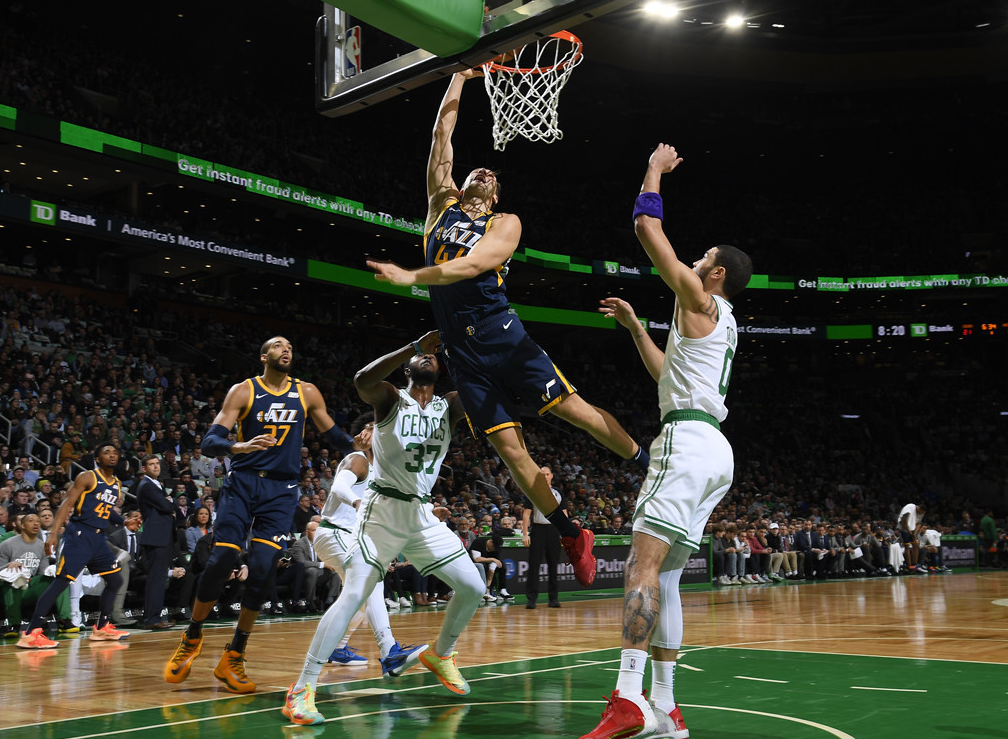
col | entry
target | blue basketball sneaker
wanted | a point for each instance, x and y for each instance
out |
(400, 659)
(347, 656)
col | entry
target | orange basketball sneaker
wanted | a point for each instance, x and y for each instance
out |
(36, 639)
(108, 632)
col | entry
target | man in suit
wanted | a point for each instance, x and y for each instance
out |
(317, 573)
(158, 540)
(822, 556)
(803, 545)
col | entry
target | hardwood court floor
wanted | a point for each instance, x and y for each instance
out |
(866, 659)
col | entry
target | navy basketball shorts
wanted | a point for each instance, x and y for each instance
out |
(499, 368)
(257, 505)
(85, 547)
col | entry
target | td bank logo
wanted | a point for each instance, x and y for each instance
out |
(43, 212)
(611, 268)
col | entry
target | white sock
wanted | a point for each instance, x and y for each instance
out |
(631, 673)
(467, 582)
(662, 680)
(378, 619)
(311, 671)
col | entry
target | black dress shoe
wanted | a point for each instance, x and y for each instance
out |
(554, 604)
(530, 605)
(160, 625)
(181, 615)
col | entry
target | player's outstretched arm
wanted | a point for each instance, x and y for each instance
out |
(623, 312)
(493, 250)
(440, 185)
(648, 214)
(370, 380)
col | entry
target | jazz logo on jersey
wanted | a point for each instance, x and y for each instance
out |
(108, 496)
(277, 414)
(459, 234)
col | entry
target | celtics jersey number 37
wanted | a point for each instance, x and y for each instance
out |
(410, 444)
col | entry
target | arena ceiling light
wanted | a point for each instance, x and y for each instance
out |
(734, 21)
(661, 9)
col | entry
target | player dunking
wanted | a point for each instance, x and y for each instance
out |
(494, 363)
(410, 441)
(258, 498)
(89, 508)
(691, 461)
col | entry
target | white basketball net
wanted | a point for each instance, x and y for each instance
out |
(524, 90)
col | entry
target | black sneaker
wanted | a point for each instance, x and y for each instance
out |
(66, 626)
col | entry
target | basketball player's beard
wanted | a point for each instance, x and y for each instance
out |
(424, 377)
(275, 364)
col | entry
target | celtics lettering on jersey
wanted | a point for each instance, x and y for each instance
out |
(411, 443)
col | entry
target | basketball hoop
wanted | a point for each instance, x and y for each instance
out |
(524, 88)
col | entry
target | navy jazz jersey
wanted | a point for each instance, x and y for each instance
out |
(467, 302)
(281, 415)
(95, 504)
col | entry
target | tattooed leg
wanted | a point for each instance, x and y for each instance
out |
(642, 599)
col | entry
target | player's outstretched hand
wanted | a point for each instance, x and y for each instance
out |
(470, 73)
(390, 272)
(255, 444)
(664, 157)
(621, 310)
(430, 342)
(442, 512)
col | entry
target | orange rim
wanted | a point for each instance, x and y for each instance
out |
(495, 66)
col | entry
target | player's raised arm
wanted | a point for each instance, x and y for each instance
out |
(440, 185)
(623, 312)
(370, 381)
(648, 214)
(456, 411)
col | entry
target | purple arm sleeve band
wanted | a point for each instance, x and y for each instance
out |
(648, 204)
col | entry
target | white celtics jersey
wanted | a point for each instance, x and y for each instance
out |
(695, 372)
(341, 514)
(410, 443)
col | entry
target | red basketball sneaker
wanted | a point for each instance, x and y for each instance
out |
(671, 724)
(625, 717)
(579, 552)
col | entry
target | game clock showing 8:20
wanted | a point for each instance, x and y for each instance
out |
(892, 330)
